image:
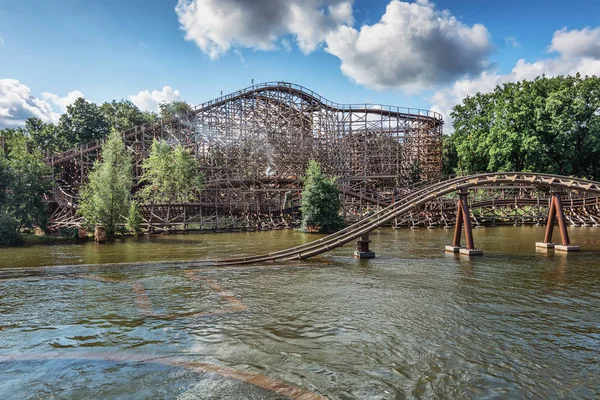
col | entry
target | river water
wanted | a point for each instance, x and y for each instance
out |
(414, 323)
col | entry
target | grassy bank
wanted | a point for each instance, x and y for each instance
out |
(46, 239)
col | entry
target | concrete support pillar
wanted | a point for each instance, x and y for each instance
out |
(362, 247)
(463, 219)
(556, 212)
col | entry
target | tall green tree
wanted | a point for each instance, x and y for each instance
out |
(29, 182)
(9, 225)
(106, 197)
(122, 115)
(171, 175)
(174, 108)
(545, 125)
(83, 122)
(449, 156)
(134, 219)
(23, 183)
(46, 137)
(320, 204)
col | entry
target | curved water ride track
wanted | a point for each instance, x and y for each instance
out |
(411, 202)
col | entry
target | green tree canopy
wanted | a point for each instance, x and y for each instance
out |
(174, 108)
(106, 197)
(23, 183)
(171, 175)
(122, 115)
(320, 205)
(546, 125)
(46, 137)
(83, 122)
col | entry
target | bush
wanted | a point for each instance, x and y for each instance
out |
(134, 220)
(320, 204)
(9, 230)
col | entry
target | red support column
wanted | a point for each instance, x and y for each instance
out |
(562, 225)
(467, 219)
(557, 212)
(463, 218)
(459, 224)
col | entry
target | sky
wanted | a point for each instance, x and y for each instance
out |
(417, 54)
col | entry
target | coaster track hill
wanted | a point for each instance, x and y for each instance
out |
(253, 147)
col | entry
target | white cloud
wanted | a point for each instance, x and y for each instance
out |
(218, 25)
(443, 100)
(239, 55)
(1, 41)
(286, 45)
(511, 41)
(150, 101)
(17, 104)
(577, 43)
(62, 102)
(414, 46)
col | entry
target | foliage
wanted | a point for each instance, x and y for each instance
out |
(320, 203)
(106, 197)
(28, 183)
(9, 228)
(7, 135)
(449, 156)
(46, 137)
(171, 175)
(83, 122)
(547, 125)
(23, 184)
(134, 219)
(68, 233)
(174, 108)
(122, 115)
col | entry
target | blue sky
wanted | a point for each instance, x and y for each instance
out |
(116, 49)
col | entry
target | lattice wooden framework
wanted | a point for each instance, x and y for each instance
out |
(254, 146)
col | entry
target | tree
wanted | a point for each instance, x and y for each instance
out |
(171, 175)
(46, 137)
(122, 115)
(134, 219)
(188, 179)
(23, 183)
(174, 108)
(472, 121)
(83, 122)
(9, 226)
(8, 134)
(449, 156)
(106, 197)
(28, 183)
(320, 205)
(545, 125)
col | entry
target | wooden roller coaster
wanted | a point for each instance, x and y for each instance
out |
(254, 145)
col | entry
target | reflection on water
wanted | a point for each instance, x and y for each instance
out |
(414, 323)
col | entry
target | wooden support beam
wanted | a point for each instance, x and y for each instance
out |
(463, 219)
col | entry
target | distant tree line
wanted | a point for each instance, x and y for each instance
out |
(24, 176)
(85, 122)
(549, 125)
